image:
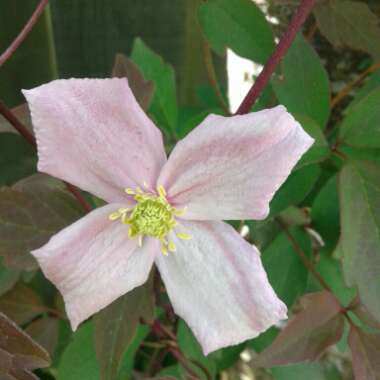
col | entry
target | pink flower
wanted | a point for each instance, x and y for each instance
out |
(93, 134)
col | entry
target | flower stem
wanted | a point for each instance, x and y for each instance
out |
(295, 24)
(24, 32)
(24, 132)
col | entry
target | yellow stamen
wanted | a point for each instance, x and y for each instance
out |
(184, 236)
(151, 216)
(161, 191)
(172, 247)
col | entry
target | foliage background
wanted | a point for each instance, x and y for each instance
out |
(321, 243)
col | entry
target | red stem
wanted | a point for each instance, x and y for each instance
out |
(24, 32)
(295, 24)
(24, 132)
(12, 119)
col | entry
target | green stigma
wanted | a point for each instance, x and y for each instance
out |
(151, 216)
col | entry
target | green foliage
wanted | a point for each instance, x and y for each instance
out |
(164, 103)
(78, 362)
(245, 29)
(325, 213)
(360, 127)
(285, 269)
(349, 23)
(322, 234)
(204, 366)
(303, 85)
(319, 150)
(359, 194)
(17, 158)
(295, 189)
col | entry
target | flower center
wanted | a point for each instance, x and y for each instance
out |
(151, 216)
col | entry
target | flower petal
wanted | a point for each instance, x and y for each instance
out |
(217, 284)
(93, 134)
(93, 262)
(230, 167)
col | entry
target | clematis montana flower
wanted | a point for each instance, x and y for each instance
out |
(93, 134)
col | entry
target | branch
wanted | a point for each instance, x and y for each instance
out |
(347, 89)
(24, 32)
(308, 264)
(171, 341)
(24, 132)
(295, 24)
(16, 124)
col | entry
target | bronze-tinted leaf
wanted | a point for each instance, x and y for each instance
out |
(349, 23)
(359, 197)
(19, 354)
(307, 334)
(45, 332)
(365, 316)
(365, 350)
(8, 278)
(30, 213)
(21, 304)
(116, 326)
(141, 88)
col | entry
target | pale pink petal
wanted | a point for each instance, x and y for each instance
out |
(217, 284)
(93, 134)
(93, 262)
(230, 167)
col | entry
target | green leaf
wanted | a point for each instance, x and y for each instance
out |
(116, 326)
(349, 23)
(285, 269)
(319, 151)
(263, 232)
(308, 334)
(189, 118)
(78, 362)
(360, 127)
(19, 354)
(303, 86)
(359, 195)
(325, 213)
(310, 371)
(331, 271)
(30, 213)
(164, 103)
(244, 28)
(295, 189)
(227, 357)
(17, 158)
(34, 61)
(128, 362)
(372, 83)
(191, 348)
(365, 350)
